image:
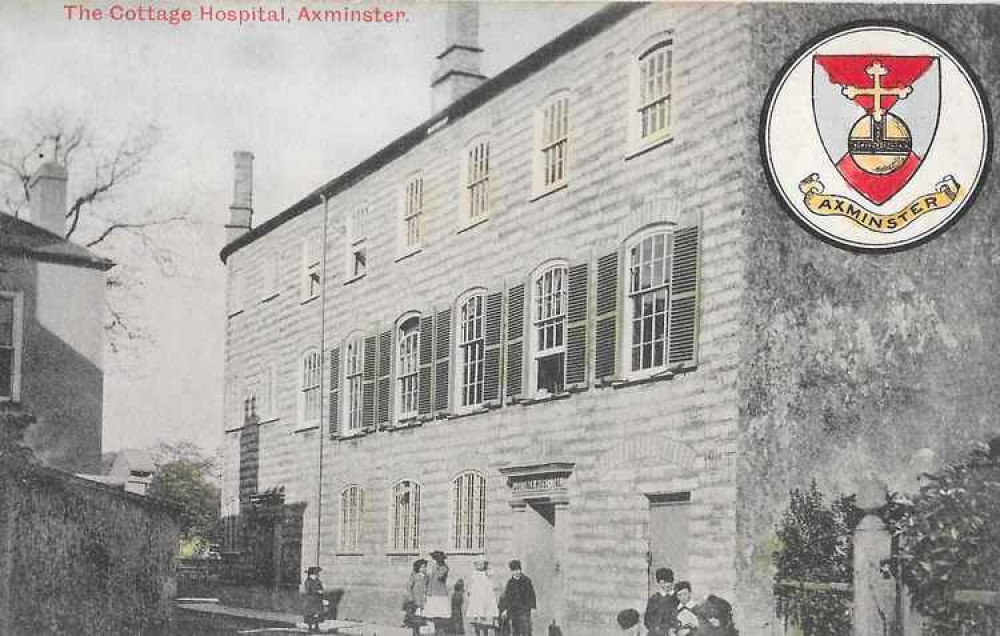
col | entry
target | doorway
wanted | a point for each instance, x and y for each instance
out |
(668, 535)
(540, 553)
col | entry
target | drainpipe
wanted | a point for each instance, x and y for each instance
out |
(322, 386)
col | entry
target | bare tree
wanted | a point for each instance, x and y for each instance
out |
(100, 172)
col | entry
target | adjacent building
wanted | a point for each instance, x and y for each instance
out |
(565, 320)
(52, 337)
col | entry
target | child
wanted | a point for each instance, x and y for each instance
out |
(312, 601)
(628, 621)
(457, 600)
(482, 606)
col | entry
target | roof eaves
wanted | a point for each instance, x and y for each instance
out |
(527, 66)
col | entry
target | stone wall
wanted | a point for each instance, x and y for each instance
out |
(79, 557)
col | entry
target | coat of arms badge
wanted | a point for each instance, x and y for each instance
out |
(876, 137)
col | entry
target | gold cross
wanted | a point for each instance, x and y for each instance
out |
(876, 71)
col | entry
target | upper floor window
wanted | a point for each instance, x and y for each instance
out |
(552, 142)
(312, 260)
(408, 366)
(413, 211)
(357, 264)
(548, 329)
(352, 509)
(354, 365)
(468, 512)
(404, 522)
(10, 346)
(476, 179)
(311, 399)
(649, 268)
(272, 277)
(650, 116)
(236, 287)
(471, 349)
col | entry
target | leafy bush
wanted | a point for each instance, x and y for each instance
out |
(950, 540)
(816, 546)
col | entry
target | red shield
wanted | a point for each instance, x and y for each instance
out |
(876, 116)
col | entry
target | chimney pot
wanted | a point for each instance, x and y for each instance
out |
(48, 197)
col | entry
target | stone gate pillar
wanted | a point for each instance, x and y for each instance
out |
(874, 594)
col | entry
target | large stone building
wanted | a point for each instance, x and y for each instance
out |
(566, 320)
(52, 336)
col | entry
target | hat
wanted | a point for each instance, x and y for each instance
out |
(437, 555)
(313, 569)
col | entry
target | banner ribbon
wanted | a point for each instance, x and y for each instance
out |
(947, 191)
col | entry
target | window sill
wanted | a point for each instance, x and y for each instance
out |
(270, 297)
(356, 434)
(460, 552)
(270, 420)
(305, 428)
(404, 423)
(666, 374)
(478, 409)
(235, 313)
(647, 147)
(472, 224)
(406, 553)
(355, 278)
(407, 254)
(306, 301)
(551, 190)
(551, 397)
(349, 554)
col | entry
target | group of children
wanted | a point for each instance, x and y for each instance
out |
(671, 611)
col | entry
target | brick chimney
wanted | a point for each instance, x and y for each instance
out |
(48, 197)
(241, 211)
(458, 67)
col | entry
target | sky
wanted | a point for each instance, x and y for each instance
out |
(310, 100)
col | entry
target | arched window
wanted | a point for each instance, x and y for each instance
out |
(408, 366)
(650, 115)
(352, 509)
(310, 400)
(468, 512)
(353, 391)
(548, 329)
(552, 130)
(404, 519)
(648, 258)
(476, 180)
(471, 349)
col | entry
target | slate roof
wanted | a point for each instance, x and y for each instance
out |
(20, 237)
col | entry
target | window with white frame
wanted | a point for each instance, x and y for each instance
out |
(650, 100)
(357, 265)
(272, 274)
(476, 171)
(408, 366)
(552, 136)
(413, 213)
(268, 398)
(646, 310)
(10, 346)
(404, 523)
(310, 399)
(312, 261)
(548, 329)
(352, 509)
(235, 304)
(468, 512)
(354, 364)
(471, 349)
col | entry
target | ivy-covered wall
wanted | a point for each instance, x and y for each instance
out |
(77, 557)
(852, 362)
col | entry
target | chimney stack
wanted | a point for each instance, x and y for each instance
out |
(241, 211)
(458, 67)
(48, 198)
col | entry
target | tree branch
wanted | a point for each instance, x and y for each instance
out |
(133, 226)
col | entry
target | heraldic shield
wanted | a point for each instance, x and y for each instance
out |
(877, 116)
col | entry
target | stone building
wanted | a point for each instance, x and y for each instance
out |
(52, 329)
(565, 320)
